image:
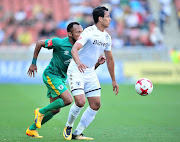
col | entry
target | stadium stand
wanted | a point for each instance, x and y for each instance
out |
(25, 22)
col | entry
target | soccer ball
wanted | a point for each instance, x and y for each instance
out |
(144, 87)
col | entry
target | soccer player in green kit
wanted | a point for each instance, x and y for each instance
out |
(55, 75)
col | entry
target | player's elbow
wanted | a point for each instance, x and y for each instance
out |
(40, 43)
(72, 51)
(76, 47)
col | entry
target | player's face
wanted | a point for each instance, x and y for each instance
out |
(106, 19)
(76, 31)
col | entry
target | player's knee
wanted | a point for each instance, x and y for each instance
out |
(55, 111)
(96, 106)
(80, 103)
(68, 100)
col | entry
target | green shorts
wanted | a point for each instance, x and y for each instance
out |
(56, 85)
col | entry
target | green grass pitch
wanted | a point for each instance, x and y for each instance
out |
(127, 117)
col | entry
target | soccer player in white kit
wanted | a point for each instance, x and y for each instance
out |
(82, 78)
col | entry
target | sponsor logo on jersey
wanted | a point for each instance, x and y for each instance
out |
(67, 61)
(66, 52)
(60, 87)
(50, 43)
(98, 42)
(107, 37)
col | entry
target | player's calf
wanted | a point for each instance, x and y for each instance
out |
(55, 111)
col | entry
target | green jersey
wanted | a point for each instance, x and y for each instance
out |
(61, 56)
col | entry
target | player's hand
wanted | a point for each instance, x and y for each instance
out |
(32, 70)
(82, 67)
(102, 59)
(115, 87)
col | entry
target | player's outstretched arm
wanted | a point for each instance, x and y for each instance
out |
(110, 65)
(33, 68)
(77, 46)
(101, 60)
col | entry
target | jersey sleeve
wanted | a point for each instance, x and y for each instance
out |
(53, 43)
(83, 38)
(109, 44)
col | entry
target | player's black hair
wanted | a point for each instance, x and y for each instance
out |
(99, 12)
(70, 26)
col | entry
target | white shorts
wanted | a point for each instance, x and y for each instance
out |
(83, 83)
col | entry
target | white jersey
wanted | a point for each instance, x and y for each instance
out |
(94, 43)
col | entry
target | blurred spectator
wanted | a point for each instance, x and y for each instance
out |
(166, 6)
(25, 36)
(61, 28)
(20, 16)
(162, 19)
(164, 13)
(155, 34)
(145, 39)
(177, 6)
(178, 15)
(1, 35)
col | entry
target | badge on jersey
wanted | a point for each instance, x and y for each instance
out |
(50, 43)
(60, 87)
(78, 83)
(107, 37)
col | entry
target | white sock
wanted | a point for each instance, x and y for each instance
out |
(87, 117)
(73, 114)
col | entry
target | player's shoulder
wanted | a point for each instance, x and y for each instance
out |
(89, 29)
(56, 39)
(65, 42)
(64, 39)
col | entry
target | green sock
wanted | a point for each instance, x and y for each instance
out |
(54, 105)
(46, 118)
(33, 127)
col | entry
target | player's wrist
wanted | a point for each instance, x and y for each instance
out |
(78, 62)
(34, 61)
(97, 63)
